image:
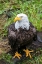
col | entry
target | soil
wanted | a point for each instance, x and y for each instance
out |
(4, 46)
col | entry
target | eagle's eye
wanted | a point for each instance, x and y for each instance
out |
(21, 16)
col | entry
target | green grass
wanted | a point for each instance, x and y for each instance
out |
(33, 8)
(6, 57)
(36, 58)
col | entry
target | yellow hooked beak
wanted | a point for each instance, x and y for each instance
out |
(17, 19)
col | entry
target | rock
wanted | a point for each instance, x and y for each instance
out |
(39, 36)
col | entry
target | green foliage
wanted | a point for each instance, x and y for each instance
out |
(36, 58)
(6, 57)
(33, 8)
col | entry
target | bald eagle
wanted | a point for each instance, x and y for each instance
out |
(20, 34)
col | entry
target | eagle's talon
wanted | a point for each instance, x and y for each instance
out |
(17, 55)
(28, 53)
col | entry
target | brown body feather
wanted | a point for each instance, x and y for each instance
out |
(21, 37)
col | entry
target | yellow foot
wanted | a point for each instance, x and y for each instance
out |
(28, 53)
(17, 55)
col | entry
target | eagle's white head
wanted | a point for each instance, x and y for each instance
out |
(21, 21)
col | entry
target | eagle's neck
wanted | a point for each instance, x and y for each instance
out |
(22, 24)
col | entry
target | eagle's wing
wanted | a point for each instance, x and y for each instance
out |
(11, 32)
(33, 29)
